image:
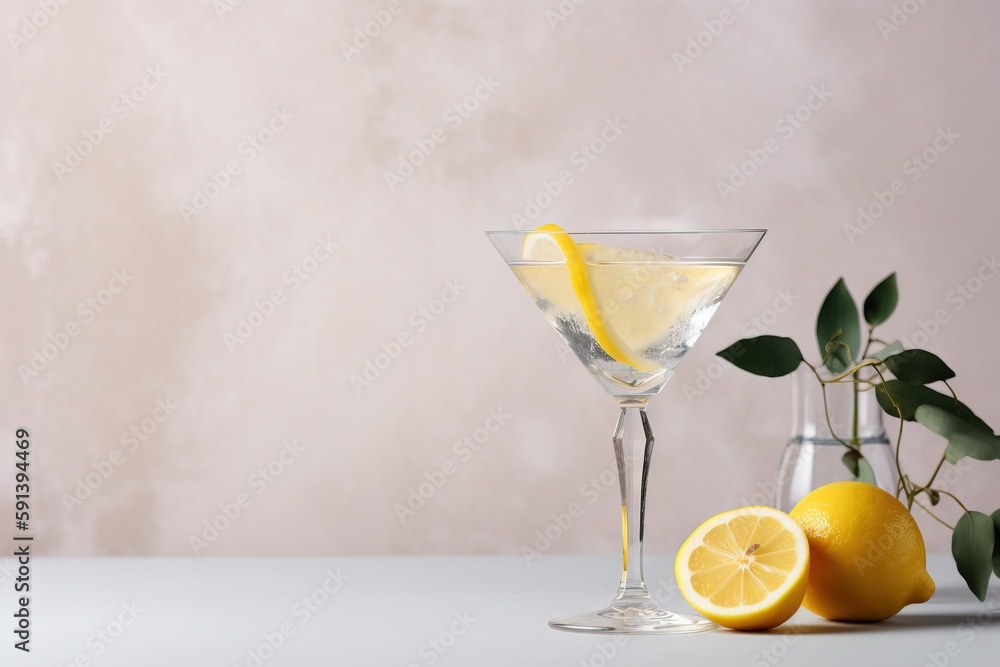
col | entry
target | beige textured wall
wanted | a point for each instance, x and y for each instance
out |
(278, 144)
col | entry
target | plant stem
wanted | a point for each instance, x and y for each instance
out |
(871, 328)
(826, 406)
(854, 388)
(935, 474)
(871, 361)
(952, 496)
(953, 394)
(937, 469)
(829, 423)
(899, 440)
(935, 517)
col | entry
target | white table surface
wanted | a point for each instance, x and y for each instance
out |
(211, 612)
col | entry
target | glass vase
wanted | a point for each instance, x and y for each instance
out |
(814, 455)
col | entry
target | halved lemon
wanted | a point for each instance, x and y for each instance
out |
(745, 569)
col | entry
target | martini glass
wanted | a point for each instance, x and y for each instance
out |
(629, 305)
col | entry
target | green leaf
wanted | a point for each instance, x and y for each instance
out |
(859, 466)
(882, 300)
(850, 460)
(963, 439)
(838, 324)
(996, 542)
(918, 367)
(895, 347)
(865, 472)
(910, 396)
(972, 546)
(770, 356)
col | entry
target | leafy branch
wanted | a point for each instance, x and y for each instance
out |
(907, 396)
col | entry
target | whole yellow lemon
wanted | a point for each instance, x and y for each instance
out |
(866, 553)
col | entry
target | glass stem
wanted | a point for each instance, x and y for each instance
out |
(633, 441)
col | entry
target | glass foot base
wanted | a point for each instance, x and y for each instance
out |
(632, 619)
